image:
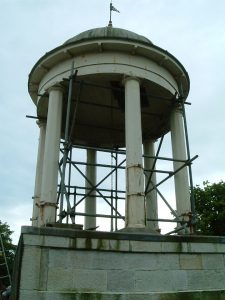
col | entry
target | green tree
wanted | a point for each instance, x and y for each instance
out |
(9, 252)
(210, 208)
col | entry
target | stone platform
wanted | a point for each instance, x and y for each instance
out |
(65, 264)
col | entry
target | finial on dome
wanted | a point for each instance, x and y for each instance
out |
(112, 8)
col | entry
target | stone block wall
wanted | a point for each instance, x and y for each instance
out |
(66, 264)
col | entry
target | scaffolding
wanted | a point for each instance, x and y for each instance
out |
(5, 277)
(110, 193)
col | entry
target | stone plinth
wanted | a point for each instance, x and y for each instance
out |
(65, 264)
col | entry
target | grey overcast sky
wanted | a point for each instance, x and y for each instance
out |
(191, 30)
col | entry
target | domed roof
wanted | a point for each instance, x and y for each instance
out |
(109, 33)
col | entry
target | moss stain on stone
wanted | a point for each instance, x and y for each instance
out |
(88, 243)
(179, 248)
(99, 244)
(73, 243)
(98, 296)
(201, 295)
(117, 245)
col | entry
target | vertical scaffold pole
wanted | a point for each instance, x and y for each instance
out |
(67, 143)
(192, 198)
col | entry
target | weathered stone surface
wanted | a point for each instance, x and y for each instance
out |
(59, 279)
(90, 280)
(198, 295)
(80, 267)
(117, 245)
(191, 261)
(203, 248)
(29, 295)
(32, 240)
(160, 281)
(114, 261)
(206, 280)
(68, 279)
(44, 267)
(213, 261)
(30, 271)
(139, 246)
(120, 281)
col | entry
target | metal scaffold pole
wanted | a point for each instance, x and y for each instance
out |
(67, 145)
(5, 274)
(192, 198)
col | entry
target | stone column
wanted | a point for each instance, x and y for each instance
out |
(90, 201)
(150, 198)
(179, 152)
(135, 208)
(39, 168)
(51, 157)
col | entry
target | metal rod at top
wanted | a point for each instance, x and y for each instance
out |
(110, 8)
(110, 14)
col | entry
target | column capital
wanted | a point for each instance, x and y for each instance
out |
(130, 77)
(148, 140)
(178, 109)
(56, 87)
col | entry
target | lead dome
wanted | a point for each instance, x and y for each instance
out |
(108, 33)
(103, 57)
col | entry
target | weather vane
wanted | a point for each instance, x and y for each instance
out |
(112, 8)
